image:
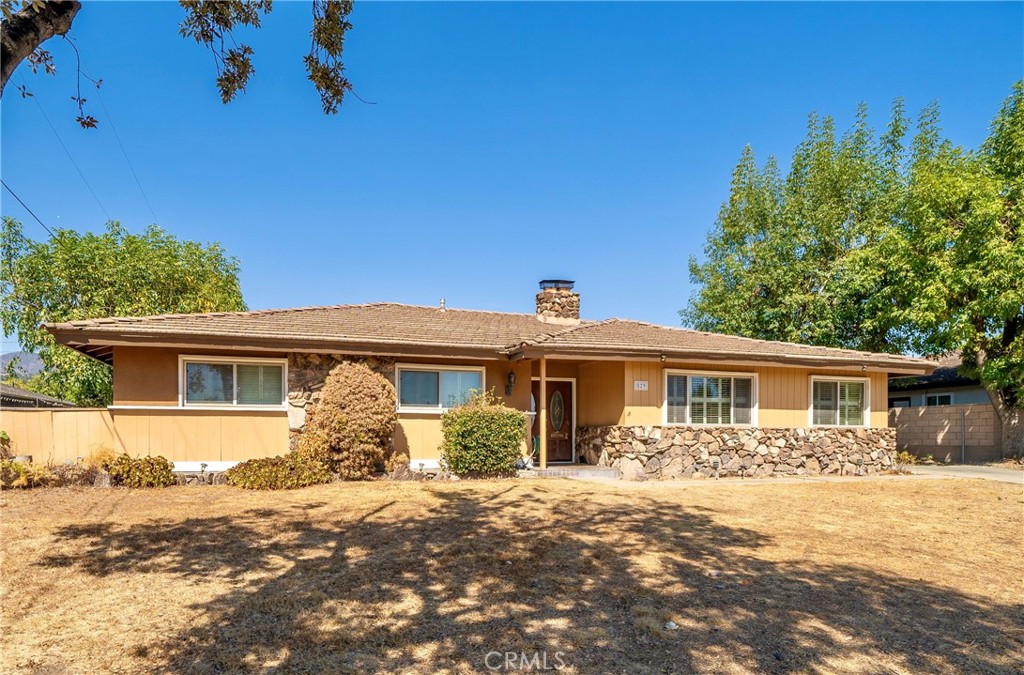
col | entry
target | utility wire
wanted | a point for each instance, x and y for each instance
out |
(30, 211)
(128, 161)
(113, 127)
(68, 153)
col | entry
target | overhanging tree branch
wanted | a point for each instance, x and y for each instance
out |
(26, 29)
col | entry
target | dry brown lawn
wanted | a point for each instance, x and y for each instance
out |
(872, 576)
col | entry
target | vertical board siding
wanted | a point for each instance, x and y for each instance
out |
(783, 393)
(179, 435)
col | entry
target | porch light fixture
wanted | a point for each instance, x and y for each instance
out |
(510, 382)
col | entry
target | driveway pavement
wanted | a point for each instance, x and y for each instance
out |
(970, 471)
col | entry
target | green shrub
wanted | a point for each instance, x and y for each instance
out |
(482, 437)
(22, 475)
(5, 445)
(350, 428)
(138, 472)
(279, 473)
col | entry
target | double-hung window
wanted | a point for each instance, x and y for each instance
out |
(424, 388)
(220, 382)
(838, 402)
(693, 398)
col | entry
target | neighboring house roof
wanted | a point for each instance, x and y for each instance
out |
(16, 397)
(397, 329)
(946, 374)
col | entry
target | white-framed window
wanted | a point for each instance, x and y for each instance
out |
(214, 381)
(840, 401)
(938, 399)
(422, 388)
(698, 398)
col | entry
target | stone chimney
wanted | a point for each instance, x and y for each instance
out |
(557, 303)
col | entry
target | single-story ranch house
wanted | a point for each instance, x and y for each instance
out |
(214, 389)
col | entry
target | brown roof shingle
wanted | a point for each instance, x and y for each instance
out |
(393, 327)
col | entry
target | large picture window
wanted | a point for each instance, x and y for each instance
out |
(425, 388)
(697, 398)
(838, 402)
(215, 382)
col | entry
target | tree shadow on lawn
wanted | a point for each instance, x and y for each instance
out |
(524, 571)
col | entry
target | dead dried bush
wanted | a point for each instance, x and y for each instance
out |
(350, 429)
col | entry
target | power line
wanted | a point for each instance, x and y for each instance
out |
(128, 161)
(113, 127)
(68, 153)
(30, 211)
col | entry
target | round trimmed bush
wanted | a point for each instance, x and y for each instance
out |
(284, 472)
(350, 428)
(482, 437)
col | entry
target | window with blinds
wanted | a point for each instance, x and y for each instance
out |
(227, 383)
(437, 389)
(675, 392)
(838, 402)
(708, 399)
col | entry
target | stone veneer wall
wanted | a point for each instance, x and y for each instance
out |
(558, 303)
(306, 376)
(688, 452)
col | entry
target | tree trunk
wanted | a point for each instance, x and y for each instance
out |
(1011, 419)
(29, 28)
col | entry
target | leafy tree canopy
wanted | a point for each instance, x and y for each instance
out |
(116, 273)
(873, 242)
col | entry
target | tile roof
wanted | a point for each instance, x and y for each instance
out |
(388, 325)
(947, 374)
(626, 335)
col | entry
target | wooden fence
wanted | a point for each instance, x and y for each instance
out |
(950, 433)
(183, 436)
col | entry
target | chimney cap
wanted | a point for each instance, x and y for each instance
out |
(557, 283)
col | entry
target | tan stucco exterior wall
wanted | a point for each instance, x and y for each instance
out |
(419, 434)
(149, 375)
(605, 393)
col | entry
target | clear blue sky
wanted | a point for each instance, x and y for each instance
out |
(509, 142)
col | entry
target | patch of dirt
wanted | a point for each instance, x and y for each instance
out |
(881, 576)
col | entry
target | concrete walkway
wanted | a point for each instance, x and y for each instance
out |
(997, 473)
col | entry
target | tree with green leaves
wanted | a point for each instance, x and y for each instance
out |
(955, 261)
(872, 243)
(785, 260)
(116, 273)
(28, 24)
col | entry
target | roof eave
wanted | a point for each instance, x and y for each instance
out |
(100, 344)
(908, 367)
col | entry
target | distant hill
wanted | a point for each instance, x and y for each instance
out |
(28, 364)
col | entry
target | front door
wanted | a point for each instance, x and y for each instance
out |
(560, 419)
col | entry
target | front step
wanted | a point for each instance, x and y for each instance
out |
(577, 471)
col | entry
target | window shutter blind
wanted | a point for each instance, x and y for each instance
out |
(676, 399)
(742, 401)
(259, 385)
(851, 403)
(825, 402)
(418, 387)
(456, 386)
(698, 410)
